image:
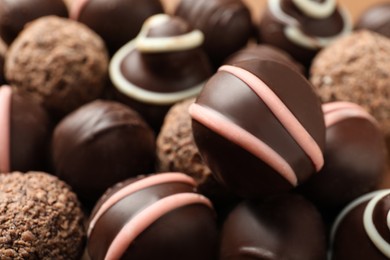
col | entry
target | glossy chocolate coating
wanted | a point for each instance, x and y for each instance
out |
(226, 24)
(15, 14)
(99, 144)
(285, 227)
(376, 18)
(235, 166)
(118, 21)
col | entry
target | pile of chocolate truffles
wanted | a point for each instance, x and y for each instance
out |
(199, 129)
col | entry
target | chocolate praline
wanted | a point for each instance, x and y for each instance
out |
(376, 18)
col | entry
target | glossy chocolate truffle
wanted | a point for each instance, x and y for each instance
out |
(59, 62)
(361, 230)
(355, 157)
(226, 24)
(285, 227)
(303, 27)
(41, 218)
(163, 65)
(154, 217)
(25, 132)
(99, 144)
(260, 134)
(15, 14)
(116, 21)
(376, 18)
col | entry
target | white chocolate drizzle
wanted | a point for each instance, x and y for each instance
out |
(315, 9)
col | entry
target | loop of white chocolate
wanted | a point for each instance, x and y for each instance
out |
(314, 9)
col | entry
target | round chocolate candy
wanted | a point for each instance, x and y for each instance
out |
(226, 24)
(355, 157)
(259, 132)
(284, 227)
(303, 27)
(24, 134)
(163, 65)
(361, 231)
(154, 217)
(99, 144)
(116, 21)
(376, 18)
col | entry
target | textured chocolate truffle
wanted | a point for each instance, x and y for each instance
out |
(253, 130)
(376, 18)
(355, 157)
(226, 24)
(15, 14)
(40, 218)
(154, 217)
(116, 21)
(59, 62)
(25, 132)
(285, 227)
(99, 144)
(303, 27)
(354, 68)
(361, 231)
(163, 65)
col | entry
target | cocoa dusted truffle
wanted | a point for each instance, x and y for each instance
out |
(376, 18)
(284, 227)
(99, 144)
(154, 217)
(303, 27)
(116, 21)
(24, 134)
(253, 130)
(15, 14)
(40, 218)
(163, 65)
(59, 62)
(226, 24)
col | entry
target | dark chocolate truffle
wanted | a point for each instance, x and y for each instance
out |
(303, 27)
(285, 227)
(376, 18)
(15, 14)
(226, 24)
(40, 218)
(154, 217)
(355, 157)
(59, 62)
(25, 132)
(163, 65)
(99, 144)
(255, 132)
(116, 21)
(361, 231)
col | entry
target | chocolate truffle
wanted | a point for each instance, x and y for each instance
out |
(99, 144)
(284, 227)
(355, 157)
(163, 65)
(25, 132)
(226, 24)
(361, 231)
(116, 21)
(303, 27)
(59, 62)
(354, 68)
(15, 14)
(253, 130)
(154, 217)
(376, 18)
(40, 218)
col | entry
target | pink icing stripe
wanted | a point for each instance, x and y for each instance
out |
(282, 113)
(76, 7)
(148, 216)
(5, 111)
(335, 112)
(224, 127)
(136, 186)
